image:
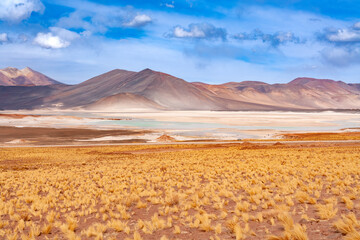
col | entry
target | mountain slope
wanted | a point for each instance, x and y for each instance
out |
(123, 101)
(355, 85)
(90, 91)
(301, 93)
(26, 97)
(24, 77)
(165, 90)
(148, 89)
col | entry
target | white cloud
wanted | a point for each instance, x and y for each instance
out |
(86, 33)
(64, 33)
(23, 37)
(99, 18)
(274, 39)
(18, 10)
(357, 26)
(138, 21)
(341, 57)
(3, 37)
(194, 32)
(198, 30)
(48, 40)
(57, 38)
(344, 35)
(170, 5)
(284, 37)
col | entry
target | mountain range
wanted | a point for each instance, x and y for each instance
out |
(24, 77)
(120, 90)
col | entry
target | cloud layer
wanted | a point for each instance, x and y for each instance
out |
(18, 10)
(100, 19)
(344, 35)
(274, 39)
(3, 37)
(357, 26)
(139, 21)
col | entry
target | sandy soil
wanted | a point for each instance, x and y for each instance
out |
(299, 178)
(53, 136)
(37, 136)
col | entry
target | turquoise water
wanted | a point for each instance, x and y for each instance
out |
(154, 124)
(207, 129)
(215, 130)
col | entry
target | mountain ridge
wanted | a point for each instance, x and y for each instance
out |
(11, 76)
(119, 89)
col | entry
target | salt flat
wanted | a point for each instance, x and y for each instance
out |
(185, 125)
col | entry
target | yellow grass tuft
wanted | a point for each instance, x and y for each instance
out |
(137, 236)
(218, 228)
(327, 211)
(177, 230)
(348, 202)
(346, 224)
(355, 235)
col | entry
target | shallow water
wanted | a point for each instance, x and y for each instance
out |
(222, 131)
(219, 125)
(155, 124)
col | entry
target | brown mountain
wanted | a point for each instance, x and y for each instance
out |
(90, 91)
(301, 93)
(162, 89)
(25, 77)
(148, 89)
(355, 85)
(123, 101)
(26, 97)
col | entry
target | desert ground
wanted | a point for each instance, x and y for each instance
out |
(86, 175)
(219, 191)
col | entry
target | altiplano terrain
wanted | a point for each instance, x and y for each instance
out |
(179, 120)
(223, 191)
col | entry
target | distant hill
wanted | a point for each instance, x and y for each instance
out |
(25, 77)
(166, 91)
(26, 97)
(301, 93)
(120, 89)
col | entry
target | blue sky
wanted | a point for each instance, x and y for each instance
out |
(211, 41)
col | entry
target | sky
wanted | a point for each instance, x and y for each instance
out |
(273, 41)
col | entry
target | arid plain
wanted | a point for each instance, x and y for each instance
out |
(179, 120)
(295, 177)
(217, 191)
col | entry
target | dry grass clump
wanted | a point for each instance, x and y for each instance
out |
(347, 224)
(326, 211)
(322, 136)
(180, 192)
(291, 231)
(355, 235)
